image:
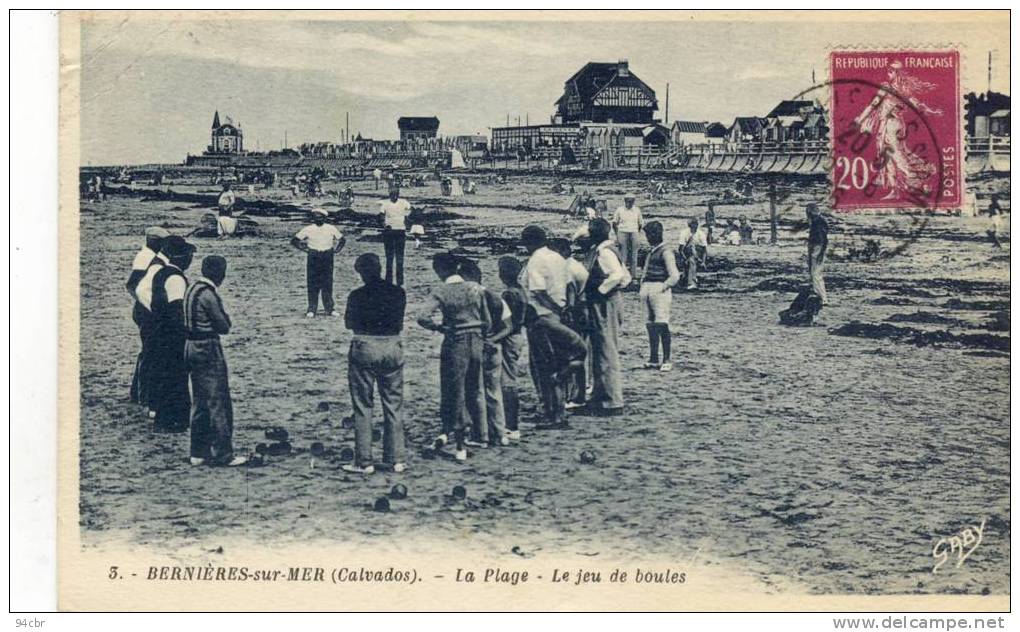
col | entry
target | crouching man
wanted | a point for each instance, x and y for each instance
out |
(212, 412)
(375, 313)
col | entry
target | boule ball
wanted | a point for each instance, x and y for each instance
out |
(318, 449)
(376, 434)
(278, 433)
(256, 460)
(346, 454)
(382, 504)
(398, 491)
(459, 492)
(323, 407)
(261, 448)
(280, 447)
(587, 457)
(347, 422)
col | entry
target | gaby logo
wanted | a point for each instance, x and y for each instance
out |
(961, 544)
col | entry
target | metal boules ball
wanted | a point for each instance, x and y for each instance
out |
(347, 422)
(587, 457)
(382, 504)
(318, 449)
(398, 491)
(376, 434)
(323, 407)
(459, 492)
(346, 454)
(278, 433)
(256, 460)
(261, 448)
(280, 447)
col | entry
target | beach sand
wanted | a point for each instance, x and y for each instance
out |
(806, 461)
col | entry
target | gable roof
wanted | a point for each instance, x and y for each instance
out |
(791, 108)
(418, 123)
(690, 127)
(748, 124)
(595, 76)
(715, 130)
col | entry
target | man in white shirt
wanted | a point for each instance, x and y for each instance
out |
(140, 314)
(628, 222)
(553, 347)
(377, 176)
(320, 240)
(694, 248)
(606, 277)
(393, 213)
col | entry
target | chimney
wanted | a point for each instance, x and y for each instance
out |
(623, 69)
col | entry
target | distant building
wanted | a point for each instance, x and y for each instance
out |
(530, 137)
(417, 127)
(606, 92)
(715, 133)
(227, 138)
(746, 129)
(688, 132)
(987, 114)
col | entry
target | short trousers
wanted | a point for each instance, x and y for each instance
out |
(656, 302)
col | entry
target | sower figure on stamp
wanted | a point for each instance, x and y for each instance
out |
(140, 313)
(464, 319)
(321, 241)
(818, 243)
(375, 313)
(169, 386)
(212, 411)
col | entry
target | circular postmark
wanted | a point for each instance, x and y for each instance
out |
(877, 166)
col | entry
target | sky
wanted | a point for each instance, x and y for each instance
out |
(149, 87)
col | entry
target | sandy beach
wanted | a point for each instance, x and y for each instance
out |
(826, 459)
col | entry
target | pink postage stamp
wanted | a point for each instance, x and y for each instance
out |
(896, 137)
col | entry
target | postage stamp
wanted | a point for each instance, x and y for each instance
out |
(896, 129)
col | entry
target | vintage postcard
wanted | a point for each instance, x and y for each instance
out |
(528, 311)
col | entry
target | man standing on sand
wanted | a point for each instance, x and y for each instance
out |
(140, 314)
(818, 243)
(657, 282)
(393, 213)
(321, 241)
(628, 222)
(169, 386)
(375, 313)
(553, 347)
(694, 249)
(606, 276)
(464, 319)
(212, 411)
(377, 177)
